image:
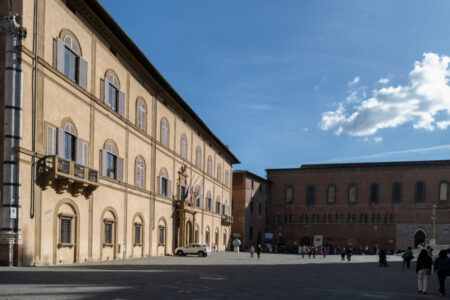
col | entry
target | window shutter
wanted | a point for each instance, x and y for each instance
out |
(60, 47)
(79, 151)
(85, 154)
(158, 185)
(106, 92)
(169, 188)
(121, 106)
(82, 72)
(120, 162)
(51, 140)
(104, 160)
(102, 89)
(61, 143)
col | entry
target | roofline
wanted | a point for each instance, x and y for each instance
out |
(115, 28)
(251, 175)
(366, 165)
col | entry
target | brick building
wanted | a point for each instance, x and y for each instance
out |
(249, 207)
(388, 204)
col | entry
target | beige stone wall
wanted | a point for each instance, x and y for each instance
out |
(119, 203)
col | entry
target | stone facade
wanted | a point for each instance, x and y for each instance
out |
(117, 150)
(361, 204)
(250, 200)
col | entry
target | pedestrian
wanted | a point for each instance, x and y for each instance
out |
(442, 268)
(349, 252)
(382, 258)
(213, 248)
(258, 250)
(324, 252)
(303, 251)
(342, 254)
(314, 250)
(407, 257)
(309, 252)
(252, 251)
(423, 270)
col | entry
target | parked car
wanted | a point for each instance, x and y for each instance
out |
(193, 249)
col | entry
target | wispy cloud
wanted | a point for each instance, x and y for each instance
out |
(384, 155)
(383, 81)
(417, 103)
(354, 81)
(323, 82)
(261, 107)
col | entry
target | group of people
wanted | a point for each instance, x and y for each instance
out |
(425, 265)
(258, 251)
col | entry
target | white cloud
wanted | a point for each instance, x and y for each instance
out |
(354, 81)
(377, 139)
(383, 80)
(443, 125)
(417, 103)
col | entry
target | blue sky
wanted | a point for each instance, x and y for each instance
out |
(285, 83)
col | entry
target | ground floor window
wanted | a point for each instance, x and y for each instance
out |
(207, 237)
(162, 235)
(66, 230)
(109, 232)
(217, 239)
(137, 233)
(196, 237)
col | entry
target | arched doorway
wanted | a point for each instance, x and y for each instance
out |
(419, 237)
(188, 232)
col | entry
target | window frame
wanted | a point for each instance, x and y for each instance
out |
(108, 236)
(420, 198)
(400, 192)
(289, 194)
(310, 196)
(371, 195)
(350, 187)
(63, 241)
(138, 242)
(183, 146)
(328, 194)
(439, 192)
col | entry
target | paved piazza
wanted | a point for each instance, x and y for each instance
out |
(219, 276)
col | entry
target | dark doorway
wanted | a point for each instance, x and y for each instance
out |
(419, 237)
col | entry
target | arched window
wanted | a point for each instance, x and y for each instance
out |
(443, 191)
(112, 92)
(141, 115)
(165, 132)
(227, 178)
(419, 195)
(219, 173)
(112, 164)
(209, 166)
(140, 173)
(183, 146)
(164, 184)
(70, 137)
(218, 205)
(208, 201)
(162, 232)
(207, 237)
(71, 58)
(198, 157)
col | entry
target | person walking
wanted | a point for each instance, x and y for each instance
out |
(252, 251)
(314, 250)
(442, 268)
(407, 257)
(343, 254)
(258, 250)
(309, 252)
(382, 258)
(303, 250)
(324, 252)
(423, 270)
(349, 253)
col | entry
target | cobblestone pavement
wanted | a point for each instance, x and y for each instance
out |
(219, 276)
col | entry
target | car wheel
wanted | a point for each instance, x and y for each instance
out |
(180, 253)
(201, 254)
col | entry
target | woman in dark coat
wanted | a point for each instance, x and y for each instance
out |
(442, 268)
(423, 270)
(258, 250)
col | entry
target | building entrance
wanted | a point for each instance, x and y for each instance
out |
(419, 237)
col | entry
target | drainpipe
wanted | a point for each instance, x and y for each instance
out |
(34, 105)
(10, 236)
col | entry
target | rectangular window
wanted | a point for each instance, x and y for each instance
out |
(112, 97)
(352, 193)
(66, 230)
(331, 194)
(108, 232)
(207, 237)
(196, 240)
(111, 166)
(137, 233)
(310, 194)
(443, 191)
(374, 193)
(289, 194)
(209, 204)
(69, 146)
(162, 235)
(217, 207)
(163, 186)
(396, 192)
(70, 65)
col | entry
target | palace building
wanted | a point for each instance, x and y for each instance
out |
(102, 158)
(388, 204)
